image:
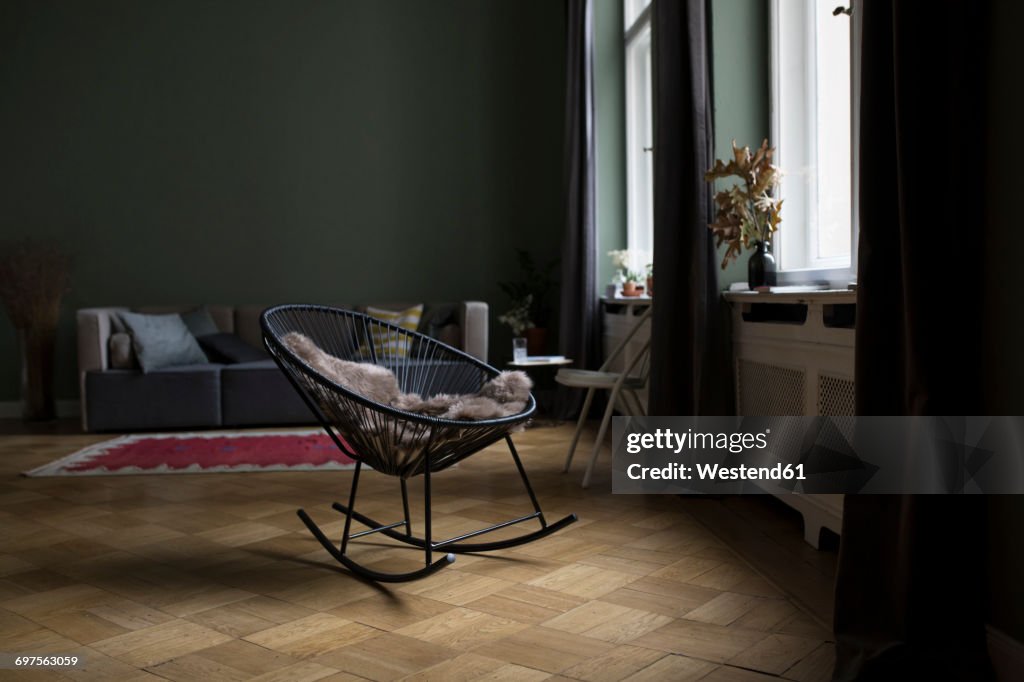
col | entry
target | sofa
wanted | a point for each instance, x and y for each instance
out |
(116, 396)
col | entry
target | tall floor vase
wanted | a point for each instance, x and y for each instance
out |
(37, 346)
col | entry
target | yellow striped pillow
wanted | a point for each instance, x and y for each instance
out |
(387, 342)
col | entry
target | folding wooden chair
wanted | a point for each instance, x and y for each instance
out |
(622, 386)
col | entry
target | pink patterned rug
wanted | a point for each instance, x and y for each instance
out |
(202, 453)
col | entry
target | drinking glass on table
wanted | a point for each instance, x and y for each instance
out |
(519, 350)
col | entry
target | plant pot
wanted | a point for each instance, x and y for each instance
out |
(650, 285)
(37, 346)
(761, 266)
(629, 289)
(536, 340)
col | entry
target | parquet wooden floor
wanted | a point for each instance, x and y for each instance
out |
(213, 577)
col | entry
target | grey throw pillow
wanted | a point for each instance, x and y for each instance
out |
(200, 322)
(162, 341)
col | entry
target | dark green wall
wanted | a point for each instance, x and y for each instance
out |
(239, 151)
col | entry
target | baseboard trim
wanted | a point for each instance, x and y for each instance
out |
(11, 409)
(1007, 655)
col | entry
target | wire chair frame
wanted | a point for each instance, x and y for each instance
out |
(392, 441)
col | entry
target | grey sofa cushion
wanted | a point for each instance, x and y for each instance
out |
(254, 393)
(162, 341)
(230, 349)
(171, 397)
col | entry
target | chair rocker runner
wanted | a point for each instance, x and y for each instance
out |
(392, 441)
(622, 387)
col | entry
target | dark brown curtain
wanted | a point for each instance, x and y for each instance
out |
(578, 330)
(910, 593)
(686, 352)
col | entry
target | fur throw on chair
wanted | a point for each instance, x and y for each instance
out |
(502, 396)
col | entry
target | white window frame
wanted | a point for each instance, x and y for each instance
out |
(835, 272)
(639, 136)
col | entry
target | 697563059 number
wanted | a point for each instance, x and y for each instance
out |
(10, 661)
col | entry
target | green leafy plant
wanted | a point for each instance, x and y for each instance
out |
(518, 316)
(747, 212)
(530, 294)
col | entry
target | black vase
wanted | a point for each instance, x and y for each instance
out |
(761, 266)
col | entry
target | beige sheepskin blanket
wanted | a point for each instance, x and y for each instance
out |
(502, 396)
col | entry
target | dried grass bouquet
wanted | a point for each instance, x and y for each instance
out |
(34, 277)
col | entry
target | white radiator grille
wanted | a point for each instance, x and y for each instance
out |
(835, 396)
(768, 390)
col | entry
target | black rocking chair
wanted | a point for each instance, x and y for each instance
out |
(389, 440)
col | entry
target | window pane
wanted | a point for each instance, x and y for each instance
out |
(639, 140)
(833, 143)
(812, 131)
(633, 8)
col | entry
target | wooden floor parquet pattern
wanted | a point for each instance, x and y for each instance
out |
(213, 577)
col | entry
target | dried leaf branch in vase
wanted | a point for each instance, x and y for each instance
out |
(747, 213)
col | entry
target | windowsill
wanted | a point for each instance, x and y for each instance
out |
(835, 278)
(803, 296)
(626, 299)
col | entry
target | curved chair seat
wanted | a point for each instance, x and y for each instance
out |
(393, 441)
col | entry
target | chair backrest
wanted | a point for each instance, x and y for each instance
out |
(640, 366)
(619, 349)
(421, 364)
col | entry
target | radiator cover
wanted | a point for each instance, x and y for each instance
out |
(793, 355)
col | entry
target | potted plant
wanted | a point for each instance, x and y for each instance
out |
(518, 316)
(650, 279)
(531, 309)
(748, 214)
(632, 285)
(34, 277)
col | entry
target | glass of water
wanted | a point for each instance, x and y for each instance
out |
(519, 350)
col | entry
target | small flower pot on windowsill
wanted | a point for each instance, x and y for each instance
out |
(632, 289)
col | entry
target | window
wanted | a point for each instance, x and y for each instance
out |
(639, 135)
(812, 92)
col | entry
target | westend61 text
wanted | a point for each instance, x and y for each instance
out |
(715, 472)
